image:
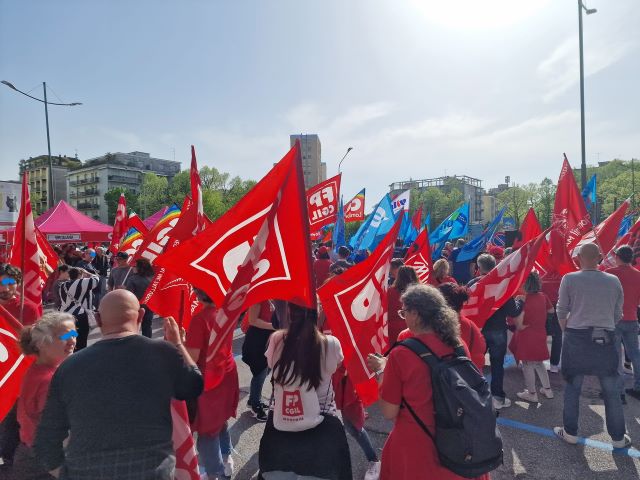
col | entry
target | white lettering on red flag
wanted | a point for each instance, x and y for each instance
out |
(13, 364)
(419, 256)
(355, 303)
(322, 202)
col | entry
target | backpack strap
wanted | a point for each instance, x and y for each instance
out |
(418, 420)
(421, 350)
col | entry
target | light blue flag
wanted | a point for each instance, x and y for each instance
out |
(338, 231)
(477, 245)
(427, 221)
(625, 225)
(589, 193)
(377, 225)
(454, 226)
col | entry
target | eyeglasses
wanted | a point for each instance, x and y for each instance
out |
(401, 313)
(8, 281)
(68, 335)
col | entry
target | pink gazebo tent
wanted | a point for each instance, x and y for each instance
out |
(65, 224)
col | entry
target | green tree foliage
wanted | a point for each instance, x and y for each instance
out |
(438, 202)
(153, 194)
(517, 201)
(113, 196)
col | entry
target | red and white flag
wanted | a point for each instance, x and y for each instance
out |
(322, 202)
(355, 303)
(631, 238)
(570, 214)
(419, 256)
(553, 255)
(529, 229)
(136, 222)
(183, 444)
(13, 363)
(258, 250)
(119, 225)
(606, 232)
(24, 251)
(500, 284)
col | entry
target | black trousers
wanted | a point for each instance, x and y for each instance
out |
(9, 435)
(82, 326)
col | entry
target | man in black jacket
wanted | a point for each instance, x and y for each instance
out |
(495, 334)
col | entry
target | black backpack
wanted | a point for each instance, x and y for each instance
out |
(466, 437)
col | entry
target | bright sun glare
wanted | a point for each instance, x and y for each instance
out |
(478, 14)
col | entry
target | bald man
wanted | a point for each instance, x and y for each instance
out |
(589, 307)
(112, 400)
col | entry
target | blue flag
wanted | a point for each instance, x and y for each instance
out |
(476, 246)
(375, 226)
(454, 226)
(338, 231)
(427, 221)
(625, 225)
(589, 193)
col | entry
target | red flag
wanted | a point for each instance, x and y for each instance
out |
(355, 303)
(354, 210)
(328, 236)
(419, 256)
(119, 225)
(553, 255)
(322, 202)
(24, 251)
(192, 219)
(529, 229)
(13, 364)
(183, 444)
(416, 221)
(570, 214)
(48, 257)
(131, 243)
(211, 260)
(631, 238)
(501, 283)
(606, 232)
(136, 222)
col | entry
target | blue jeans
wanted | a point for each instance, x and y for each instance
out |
(362, 437)
(497, 347)
(627, 335)
(612, 405)
(211, 449)
(255, 388)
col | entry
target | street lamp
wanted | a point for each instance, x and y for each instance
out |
(583, 166)
(344, 156)
(50, 197)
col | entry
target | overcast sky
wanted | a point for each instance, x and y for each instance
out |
(419, 88)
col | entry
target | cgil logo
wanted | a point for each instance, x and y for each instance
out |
(292, 404)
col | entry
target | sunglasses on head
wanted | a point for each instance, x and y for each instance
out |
(68, 335)
(8, 281)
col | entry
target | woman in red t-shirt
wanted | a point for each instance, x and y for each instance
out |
(51, 339)
(220, 402)
(529, 342)
(395, 324)
(409, 453)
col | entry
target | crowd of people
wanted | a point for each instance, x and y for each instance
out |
(104, 411)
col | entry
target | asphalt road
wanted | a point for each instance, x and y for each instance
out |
(530, 449)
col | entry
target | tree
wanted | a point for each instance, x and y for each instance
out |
(544, 201)
(440, 204)
(517, 201)
(153, 194)
(113, 196)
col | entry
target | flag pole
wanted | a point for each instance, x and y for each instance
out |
(181, 311)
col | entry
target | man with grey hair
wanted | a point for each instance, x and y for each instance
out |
(495, 334)
(589, 307)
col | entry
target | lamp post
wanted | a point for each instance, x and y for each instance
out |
(343, 157)
(50, 196)
(583, 165)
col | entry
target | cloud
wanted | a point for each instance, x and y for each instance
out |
(561, 69)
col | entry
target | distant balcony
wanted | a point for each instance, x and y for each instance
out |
(88, 206)
(122, 179)
(89, 192)
(84, 181)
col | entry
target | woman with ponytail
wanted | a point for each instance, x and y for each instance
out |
(50, 340)
(303, 413)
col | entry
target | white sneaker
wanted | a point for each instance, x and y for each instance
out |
(528, 396)
(547, 392)
(554, 368)
(228, 465)
(624, 443)
(500, 403)
(562, 433)
(373, 472)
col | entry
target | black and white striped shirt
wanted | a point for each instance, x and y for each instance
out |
(76, 296)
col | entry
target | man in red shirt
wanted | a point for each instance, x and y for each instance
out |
(10, 281)
(627, 328)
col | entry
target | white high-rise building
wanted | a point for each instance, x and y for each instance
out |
(315, 171)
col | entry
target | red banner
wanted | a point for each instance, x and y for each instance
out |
(501, 283)
(355, 303)
(119, 225)
(322, 202)
(183, 444)
(570, 215)
(529, 229)
(606, 232)
(156, 240)
(13, 364)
